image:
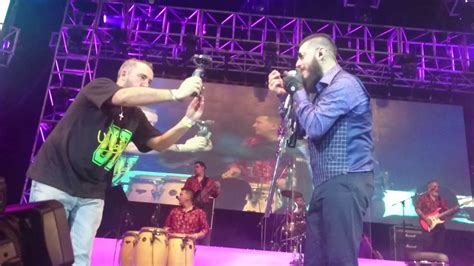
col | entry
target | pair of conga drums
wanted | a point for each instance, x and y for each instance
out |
(152, 246)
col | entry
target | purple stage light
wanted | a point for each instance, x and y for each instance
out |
(113, 21)
(6, 44)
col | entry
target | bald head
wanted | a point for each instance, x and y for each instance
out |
(135, 73)
(320, 40)
(132, 63)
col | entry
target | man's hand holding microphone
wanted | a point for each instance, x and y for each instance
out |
(189, 87)
(289, 83)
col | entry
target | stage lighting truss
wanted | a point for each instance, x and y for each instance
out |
(8, 43)
(243, 44)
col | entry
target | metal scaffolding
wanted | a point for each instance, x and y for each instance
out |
(75, 62)
(243, 44)
(8, 45)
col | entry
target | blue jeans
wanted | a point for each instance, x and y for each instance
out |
(334, 223)
(84, 217)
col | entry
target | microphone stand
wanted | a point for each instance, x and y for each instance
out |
(285, 133)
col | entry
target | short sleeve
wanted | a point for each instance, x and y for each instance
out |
(145, 131)
(203, 221)
(100, 91)
(168, 222)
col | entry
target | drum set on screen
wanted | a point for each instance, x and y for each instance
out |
(291, 232)
(153, 246)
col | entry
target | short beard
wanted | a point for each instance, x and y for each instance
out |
(128, 83)
(315, 75)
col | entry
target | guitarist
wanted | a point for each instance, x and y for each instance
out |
(205, 191)
(427, 204)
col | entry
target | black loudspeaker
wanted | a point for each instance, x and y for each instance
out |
(39, 232)
(10, 245)
(402, 242)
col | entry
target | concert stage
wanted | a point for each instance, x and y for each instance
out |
(103, 254)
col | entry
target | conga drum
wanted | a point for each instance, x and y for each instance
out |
(181, 250)
(143, 190)
(152, 247)
(127, 248)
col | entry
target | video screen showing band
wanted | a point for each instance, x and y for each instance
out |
(4, 5)
(413, 146)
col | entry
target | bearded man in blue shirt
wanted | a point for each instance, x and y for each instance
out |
(333, 109)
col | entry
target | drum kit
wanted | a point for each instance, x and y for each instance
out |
(291, 233)
(153, 246)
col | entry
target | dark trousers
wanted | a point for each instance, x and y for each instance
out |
(434, 240)
(334, 224)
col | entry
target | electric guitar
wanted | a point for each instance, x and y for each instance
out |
(203, 195)
(438, 218)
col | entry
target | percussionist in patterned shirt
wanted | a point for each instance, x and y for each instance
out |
(187, 219)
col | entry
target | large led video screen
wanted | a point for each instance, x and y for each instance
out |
(4, 5)
(415, 143)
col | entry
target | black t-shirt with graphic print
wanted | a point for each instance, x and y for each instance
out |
(79, 155)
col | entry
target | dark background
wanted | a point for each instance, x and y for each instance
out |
(23, 84)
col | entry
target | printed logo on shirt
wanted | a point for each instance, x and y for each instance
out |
(111, 146)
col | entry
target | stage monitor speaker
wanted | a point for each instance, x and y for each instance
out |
(10, 245)
(43, 231)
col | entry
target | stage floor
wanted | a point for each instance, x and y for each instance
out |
(103, 254)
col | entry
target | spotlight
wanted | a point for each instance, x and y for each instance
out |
(363, 9)
(191, 46)
(408, 63)
(6, 45)
(374, 4)
(256, 6)
(270, 55)
(113, 21)
(119, 41)
(75, 39)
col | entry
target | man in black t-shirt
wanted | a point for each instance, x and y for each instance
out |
(75, 164)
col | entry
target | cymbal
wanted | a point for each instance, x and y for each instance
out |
(288, 193)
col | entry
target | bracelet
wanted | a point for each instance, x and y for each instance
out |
(173, 97)
(189, 123)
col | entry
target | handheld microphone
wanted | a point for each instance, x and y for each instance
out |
(205, 122)
(291, 87)
(201, 62)
(291, 73)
